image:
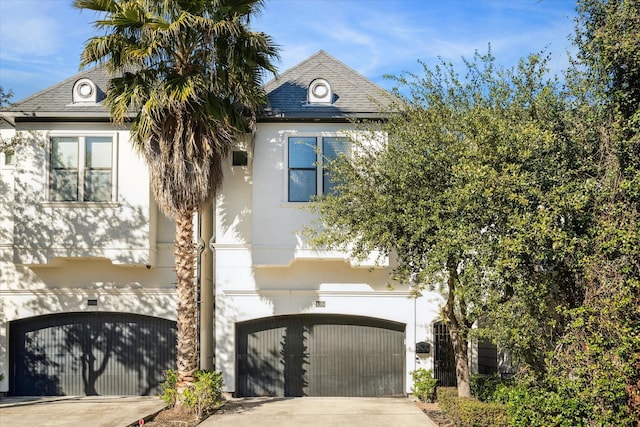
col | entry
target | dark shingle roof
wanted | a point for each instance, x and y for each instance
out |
(56, 102)
(354, 94)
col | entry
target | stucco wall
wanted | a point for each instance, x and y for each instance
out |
(264, 267)
(121, 231)
(56, 257)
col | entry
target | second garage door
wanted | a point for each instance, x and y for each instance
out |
(320, 355)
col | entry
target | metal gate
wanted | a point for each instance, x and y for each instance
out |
(320, 355)
(90, 353)
(444, 364)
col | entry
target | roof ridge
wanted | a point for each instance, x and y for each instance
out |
(290, 70)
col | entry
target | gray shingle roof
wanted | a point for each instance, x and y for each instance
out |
(55, 102)
(354, 95)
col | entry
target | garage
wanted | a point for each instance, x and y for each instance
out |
(320, 355)
(95, 353)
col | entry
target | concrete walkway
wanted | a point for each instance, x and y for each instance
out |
(94, 411)
(319, 412)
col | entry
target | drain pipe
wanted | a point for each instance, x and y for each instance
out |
(207, 330)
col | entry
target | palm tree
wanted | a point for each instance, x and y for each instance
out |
(187, 75)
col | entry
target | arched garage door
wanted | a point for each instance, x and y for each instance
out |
(90, 354)
(320, 355)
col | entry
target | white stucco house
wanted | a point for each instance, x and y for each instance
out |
(87, 303)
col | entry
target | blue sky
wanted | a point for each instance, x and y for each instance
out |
(41, 40)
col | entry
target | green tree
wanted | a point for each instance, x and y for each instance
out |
(187, 75)
(474, 191)
(599, 359)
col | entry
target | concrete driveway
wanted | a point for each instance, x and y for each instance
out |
(319, 412)
(94, 411)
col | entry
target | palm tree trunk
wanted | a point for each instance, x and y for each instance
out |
(185, 258)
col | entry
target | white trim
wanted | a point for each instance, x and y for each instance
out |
(82, 135)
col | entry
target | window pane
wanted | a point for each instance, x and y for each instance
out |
(302, 184)
(9, 158)
(64, 152)
(64, 185)
(332, 147)
(98, 152)
(97, 185)
(302, 152)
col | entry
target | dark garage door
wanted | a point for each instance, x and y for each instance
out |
(320, 355)
(90, 354)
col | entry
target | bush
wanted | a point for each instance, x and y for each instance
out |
(470, 412)
(169, 392)
(538, 407)
(424, 385)
(445, 396)
(204, 394)
(483, 387)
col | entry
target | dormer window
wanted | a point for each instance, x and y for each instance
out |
(319, 92)
(85, 91)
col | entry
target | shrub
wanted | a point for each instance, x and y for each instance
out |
(204, 394)
(483, 387)
(446, 395)
(538, 407)
(169, 391)
(424, 385)
(470, 412)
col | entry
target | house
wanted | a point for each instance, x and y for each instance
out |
(86, 266)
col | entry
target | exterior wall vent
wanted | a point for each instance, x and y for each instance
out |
(319, 92)
(85, 91)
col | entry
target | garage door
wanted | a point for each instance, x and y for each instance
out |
(320, 355)
(90, 354)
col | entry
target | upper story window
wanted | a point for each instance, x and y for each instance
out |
(9, 158)
(307, 160)
(81, 169)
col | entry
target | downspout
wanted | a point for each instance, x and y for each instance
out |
(207, 329)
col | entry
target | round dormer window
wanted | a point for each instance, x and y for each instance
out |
(85, 90)
(319, 92)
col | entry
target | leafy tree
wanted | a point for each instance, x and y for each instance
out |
(187, 74)
(475, 193)
(599, 359)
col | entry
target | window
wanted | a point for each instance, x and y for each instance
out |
(9, 158)
(308, 176)
(81, 169)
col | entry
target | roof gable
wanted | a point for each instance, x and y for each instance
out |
(354, 94)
